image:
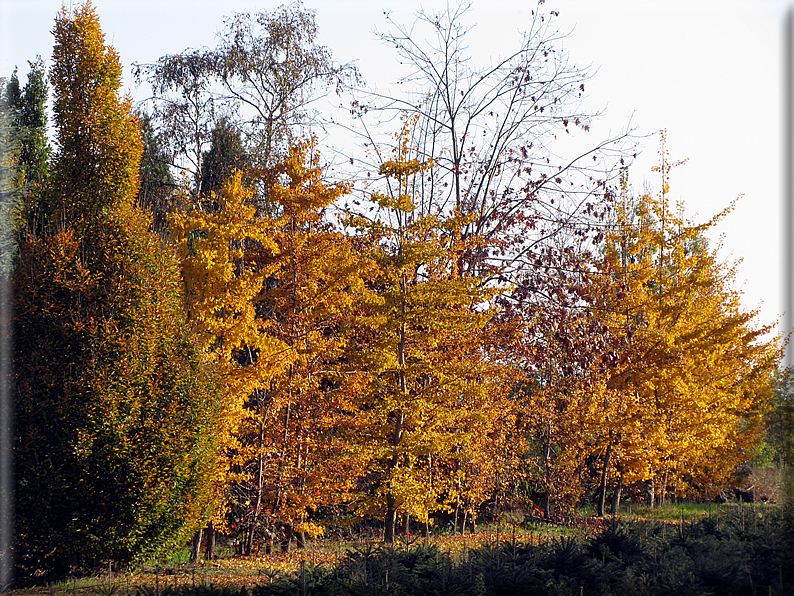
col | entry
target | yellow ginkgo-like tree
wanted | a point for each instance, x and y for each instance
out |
(308, 416)
(691, 389)
(225, 257)
(433, 395)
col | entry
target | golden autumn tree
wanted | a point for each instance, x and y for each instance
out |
(618, 435)
(270, 295)
(224, 269)
(433, 395)
(308, 416)
(645, 370)
(689, 394)
(224, 252)
(115, 418)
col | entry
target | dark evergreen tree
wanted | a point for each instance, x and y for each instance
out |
(25, 153)
(115, 440)
(29, 118)
(225, 155)
(157, 182)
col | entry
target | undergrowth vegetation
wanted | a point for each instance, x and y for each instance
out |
(737, 551)
(744, 552)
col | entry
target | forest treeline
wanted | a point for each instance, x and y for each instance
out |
(215, 328)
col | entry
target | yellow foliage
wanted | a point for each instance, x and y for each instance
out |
(687, 398)
(436, 401)
(225, 261)
(310, 528)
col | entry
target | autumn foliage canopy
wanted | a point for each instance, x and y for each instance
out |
(260, 347)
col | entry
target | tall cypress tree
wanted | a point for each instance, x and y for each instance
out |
(115, 419)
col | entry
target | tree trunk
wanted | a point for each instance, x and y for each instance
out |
(209, 554)
(663, 492)
(426, 525)
(285, 542)
(391, 519)
(616, 496)
(547, 475)
(281, 491)
(391, 511)
(195, 545)
(651, 494)
(495, 507)
(249, 539)
(602, 490)
(300, 540)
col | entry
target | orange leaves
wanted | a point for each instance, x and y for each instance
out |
(270, 297)
(433, 396)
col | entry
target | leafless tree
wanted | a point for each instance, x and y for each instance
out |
(492, 132)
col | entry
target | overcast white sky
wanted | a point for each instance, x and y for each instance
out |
(709, 71)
